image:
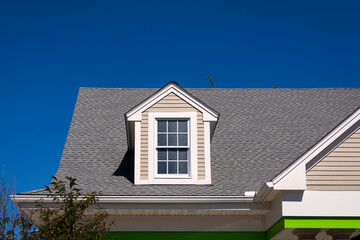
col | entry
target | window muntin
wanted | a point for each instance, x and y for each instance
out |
(172, 146)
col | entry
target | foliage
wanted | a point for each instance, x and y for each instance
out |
(69, 215)
(7, 211)
(26, 230)
(69, 219)
(13, 223)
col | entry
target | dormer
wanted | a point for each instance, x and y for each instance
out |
(170, 133)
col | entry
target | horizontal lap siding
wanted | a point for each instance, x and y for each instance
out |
(170, 103)
(144, 163)
(201, 152)
(339, 170)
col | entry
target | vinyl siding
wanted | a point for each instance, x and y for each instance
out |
(170, 103)
(144, 164)
(201, 152)
(340, 169)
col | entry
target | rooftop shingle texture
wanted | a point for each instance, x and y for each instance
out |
(259, 133)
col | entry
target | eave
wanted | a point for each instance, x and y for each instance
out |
(163, 205)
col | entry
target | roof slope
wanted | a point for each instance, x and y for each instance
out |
(259, 133)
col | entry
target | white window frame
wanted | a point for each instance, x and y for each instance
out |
(191, 177)
(157, 147)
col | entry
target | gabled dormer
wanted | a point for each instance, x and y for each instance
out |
(170, 134)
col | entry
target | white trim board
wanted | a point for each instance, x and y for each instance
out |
(321, 203)
(146, 199)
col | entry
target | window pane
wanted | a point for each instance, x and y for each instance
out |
(162, 154)
(172, 126)
(183, 154)
(172, 160)
(183, 167)
(182, 140)
(182, 125)
(172, 167)
(172, 140)
(161, 139)
(161, 167)
(172, 154)
(161, 125)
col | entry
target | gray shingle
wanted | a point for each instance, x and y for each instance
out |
(259, 133)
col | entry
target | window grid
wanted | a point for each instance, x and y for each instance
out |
(178, 133)
(181, 160)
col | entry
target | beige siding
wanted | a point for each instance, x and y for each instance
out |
(144, 164)
(201, 152)
(339, 170)
(170, 103)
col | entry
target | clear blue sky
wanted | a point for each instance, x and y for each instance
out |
(48, 49)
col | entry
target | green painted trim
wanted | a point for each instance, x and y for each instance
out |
(283, 223)
(275, 229)
(312, 222)
(321, 222)
(185, 235)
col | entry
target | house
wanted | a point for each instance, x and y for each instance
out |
(176, 163)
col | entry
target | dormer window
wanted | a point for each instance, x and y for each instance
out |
(170, 134)
(172, 147)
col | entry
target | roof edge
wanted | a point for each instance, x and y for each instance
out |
(144, 199)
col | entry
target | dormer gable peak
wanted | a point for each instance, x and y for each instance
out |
(209, 114)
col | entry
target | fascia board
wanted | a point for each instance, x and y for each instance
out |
(325, 203)
(176, 199)
(294, 176)
(234, 203)
(135, 113)
(144, 199)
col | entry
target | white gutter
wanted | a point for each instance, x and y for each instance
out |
(145, 199)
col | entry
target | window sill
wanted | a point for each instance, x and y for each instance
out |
(166, 176)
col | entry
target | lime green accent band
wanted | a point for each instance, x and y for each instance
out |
(283, 223)
(312, 222)
(185, 235)
(321, 222)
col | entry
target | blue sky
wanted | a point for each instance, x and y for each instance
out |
(48, 49)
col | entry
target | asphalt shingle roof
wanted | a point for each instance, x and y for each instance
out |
(259, 133)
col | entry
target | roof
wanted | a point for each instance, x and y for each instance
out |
(259, 133)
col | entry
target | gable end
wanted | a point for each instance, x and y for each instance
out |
(340, 169)
(294, 176)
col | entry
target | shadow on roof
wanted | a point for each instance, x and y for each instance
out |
(126, 167)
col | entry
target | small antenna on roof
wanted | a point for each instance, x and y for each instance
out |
(212, 83)
(275, 86)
